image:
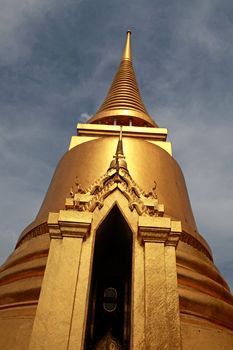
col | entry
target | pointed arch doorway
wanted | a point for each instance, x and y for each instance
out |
(110, 294)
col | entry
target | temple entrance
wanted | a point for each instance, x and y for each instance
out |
(108, 323)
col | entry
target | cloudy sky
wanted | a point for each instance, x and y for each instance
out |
(57, 59)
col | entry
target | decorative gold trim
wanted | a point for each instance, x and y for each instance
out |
(159, 230)
(36, 231)
(19, 304)
(193, 242)
(185, 237)
(69, 224)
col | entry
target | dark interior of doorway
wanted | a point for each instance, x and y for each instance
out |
(112, 267)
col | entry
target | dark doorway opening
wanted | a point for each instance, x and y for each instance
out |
(110, 294)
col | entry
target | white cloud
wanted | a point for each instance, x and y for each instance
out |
(19, 21)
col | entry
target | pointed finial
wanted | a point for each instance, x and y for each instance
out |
(119, 158)
(127, 50)
(119, 150)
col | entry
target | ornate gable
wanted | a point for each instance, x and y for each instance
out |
(116, 177)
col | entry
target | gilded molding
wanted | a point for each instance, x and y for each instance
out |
(35, 232)
(27, 304)
(193, 242)
(184, 237)
(159, 230)
(72, 225)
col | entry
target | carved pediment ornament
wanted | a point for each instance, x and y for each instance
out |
(116, 177)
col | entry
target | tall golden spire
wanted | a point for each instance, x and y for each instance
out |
(123, 104)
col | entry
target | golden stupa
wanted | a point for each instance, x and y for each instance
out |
(114, 259)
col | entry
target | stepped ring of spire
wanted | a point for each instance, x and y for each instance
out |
(123, 104)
